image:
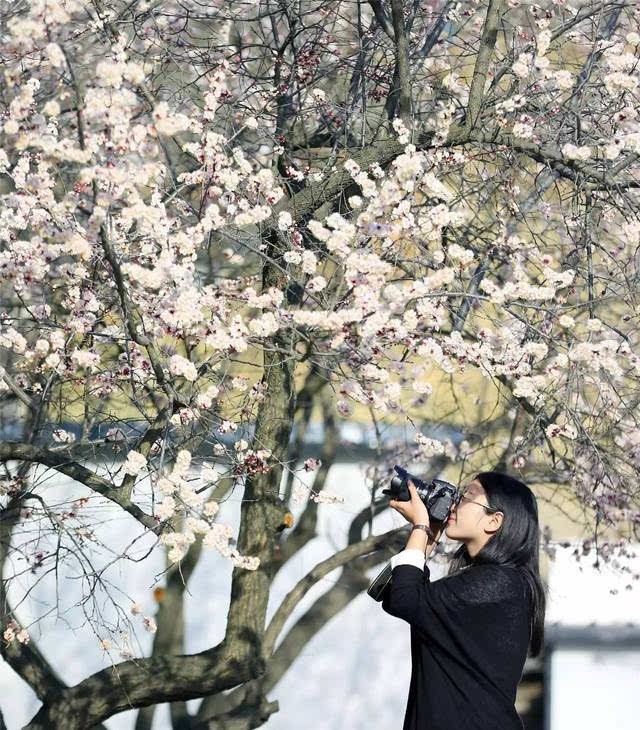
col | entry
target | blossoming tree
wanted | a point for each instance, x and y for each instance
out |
(220, 217)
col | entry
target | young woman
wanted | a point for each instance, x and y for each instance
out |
(471, 630)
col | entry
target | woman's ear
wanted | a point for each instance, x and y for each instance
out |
(495, 522)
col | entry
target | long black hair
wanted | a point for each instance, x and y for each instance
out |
(516, 543)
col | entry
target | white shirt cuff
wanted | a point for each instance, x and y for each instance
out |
(410, 556)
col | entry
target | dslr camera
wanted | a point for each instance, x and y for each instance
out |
(438, 496)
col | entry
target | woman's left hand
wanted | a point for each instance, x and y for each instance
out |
(414, 511)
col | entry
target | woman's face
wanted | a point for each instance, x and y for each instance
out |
(469, 521)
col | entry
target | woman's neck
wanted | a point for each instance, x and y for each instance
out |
(475, 545)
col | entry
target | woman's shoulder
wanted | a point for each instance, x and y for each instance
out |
(489, 582)
(495, 570)
(498, 572)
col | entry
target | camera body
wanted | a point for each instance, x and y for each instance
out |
(438, 496)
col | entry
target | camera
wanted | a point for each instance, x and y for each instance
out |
(438, 496)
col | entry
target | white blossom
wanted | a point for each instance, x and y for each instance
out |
(166, 508)
(522, 130)
(564, 79)
(318, 283)
(429, 446)
(574, 152)
(211, 508)
(265, 325)
(149, 624)
(62, 436)
(566, 321)
(285, 221)
(134, 463)
(55, 55)
(179, 365)
(522, 65)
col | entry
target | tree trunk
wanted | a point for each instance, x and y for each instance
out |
(263, 510)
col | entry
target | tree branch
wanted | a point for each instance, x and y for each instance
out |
(291, 600)
(128, 311)
(352, 582)
(17, 390)
(24, 659)
(434, 32)
(399, 99)
(551, 156)
(303, 204)
(487, 43)
(141, 682)
(61, 463)
(154, 432)
(27, 661)
(305, 529)
(382, 17)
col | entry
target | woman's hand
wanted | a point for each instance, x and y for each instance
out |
(414, 511)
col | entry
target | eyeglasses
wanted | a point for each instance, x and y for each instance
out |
(466, 499)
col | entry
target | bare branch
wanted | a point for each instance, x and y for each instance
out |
(358, 549)
(128, 310)
(487, 43)
(17, 390)
(169, 637)
(305, 528)
(549, 155)
(59, 462)
(434, 32)
(399, 99)
(27, 661)
(24, 659)
(141, 682)
(382, 17)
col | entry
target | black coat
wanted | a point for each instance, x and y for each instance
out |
(469, 641)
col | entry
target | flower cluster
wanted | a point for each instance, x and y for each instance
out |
(13, 631)
(134, 462)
